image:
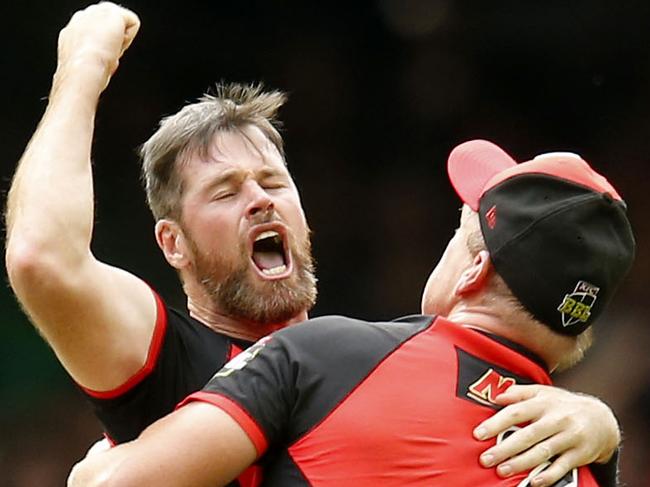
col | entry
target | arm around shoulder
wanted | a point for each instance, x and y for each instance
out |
(197, 445)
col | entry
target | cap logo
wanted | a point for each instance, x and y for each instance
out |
(491, 217)
(576, 307)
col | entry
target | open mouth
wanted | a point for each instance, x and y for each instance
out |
(270, 255)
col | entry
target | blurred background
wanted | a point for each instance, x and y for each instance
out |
(380, 92)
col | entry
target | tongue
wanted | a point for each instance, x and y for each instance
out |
(268, 260)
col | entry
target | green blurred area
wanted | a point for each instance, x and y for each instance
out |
(31, 371)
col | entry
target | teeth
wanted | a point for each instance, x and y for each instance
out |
(275, 270)
(267, 234)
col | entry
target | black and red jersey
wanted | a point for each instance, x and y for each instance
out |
(182, 357)
(337, 401)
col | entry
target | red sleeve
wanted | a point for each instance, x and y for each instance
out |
(152, 357)
(236, 412)
(257, 390)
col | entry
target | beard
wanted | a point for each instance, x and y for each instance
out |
(234, 291)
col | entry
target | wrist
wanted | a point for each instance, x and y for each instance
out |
(80, 77)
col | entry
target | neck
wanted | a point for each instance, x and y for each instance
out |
(482, 318)
(235, 327)
(499, 321)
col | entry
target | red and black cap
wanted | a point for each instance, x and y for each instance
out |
(557, 231)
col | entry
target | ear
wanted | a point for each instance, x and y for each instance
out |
(475, 276)
(172, 242)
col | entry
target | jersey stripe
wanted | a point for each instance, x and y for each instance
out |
(152, 356)
(234, 351)
(248, 424)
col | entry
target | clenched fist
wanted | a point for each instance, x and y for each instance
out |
(92, 43)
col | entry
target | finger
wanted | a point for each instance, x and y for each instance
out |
(518, 393)
(131, 28)
(519, 441)
(531, 458)
(558, 469)
(507, 417)
(129, 19)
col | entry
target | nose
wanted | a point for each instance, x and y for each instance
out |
(260, 203)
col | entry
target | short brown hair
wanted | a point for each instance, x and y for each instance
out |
(233, 107)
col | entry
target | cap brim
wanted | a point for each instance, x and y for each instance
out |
(472, 164)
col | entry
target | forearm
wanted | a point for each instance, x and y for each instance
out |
(50, 204)
(197, 445)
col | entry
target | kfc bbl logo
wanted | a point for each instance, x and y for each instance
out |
(576, 307)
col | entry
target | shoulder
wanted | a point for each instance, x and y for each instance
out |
(329, 326)
(336, 336)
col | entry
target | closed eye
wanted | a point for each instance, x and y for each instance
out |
(276, 185)
(223, 195)
(274, 181)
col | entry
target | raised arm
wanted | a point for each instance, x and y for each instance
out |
(98, 319)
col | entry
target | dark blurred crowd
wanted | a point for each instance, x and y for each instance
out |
(380, 92)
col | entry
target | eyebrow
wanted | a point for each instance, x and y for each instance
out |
(228, 176)
(237, 175)
(268, 172)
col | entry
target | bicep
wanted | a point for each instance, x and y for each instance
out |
(98, 319)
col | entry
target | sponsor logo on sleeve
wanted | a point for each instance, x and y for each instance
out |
(243, 359)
